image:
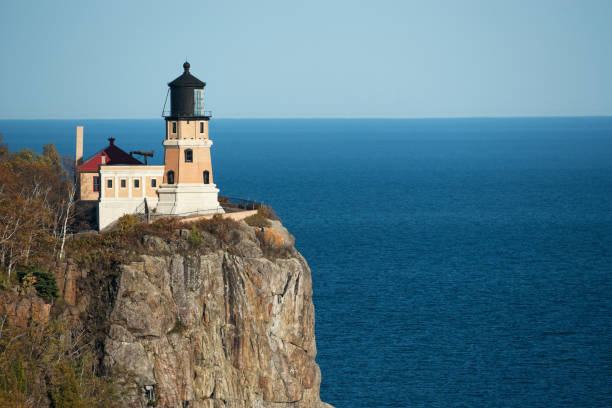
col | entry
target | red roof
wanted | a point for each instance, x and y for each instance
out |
(113, 154)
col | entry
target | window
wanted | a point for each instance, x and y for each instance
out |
(201, 127)
(153, 182)
(136, 183)
(187, 122)
(188, 156)
(109, 183)
(170, 177)
(96, 183)
(123, 183)
(206, 177)
(198, 99)
(173, 127)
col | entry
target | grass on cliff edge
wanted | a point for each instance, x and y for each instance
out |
(262, 218)
(107, 249)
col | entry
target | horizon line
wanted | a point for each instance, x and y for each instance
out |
(341, 117)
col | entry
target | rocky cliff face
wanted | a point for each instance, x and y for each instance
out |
(219, 315)
(229, 328)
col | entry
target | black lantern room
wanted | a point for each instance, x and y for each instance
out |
(187, 98)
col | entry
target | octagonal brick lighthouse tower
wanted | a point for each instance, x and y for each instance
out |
(188, 179)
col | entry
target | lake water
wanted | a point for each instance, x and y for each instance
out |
(456, 262)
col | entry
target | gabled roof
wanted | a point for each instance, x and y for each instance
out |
(113, 154)
(187, 80)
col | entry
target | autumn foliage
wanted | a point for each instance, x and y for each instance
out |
(36, 199)
(53, 364)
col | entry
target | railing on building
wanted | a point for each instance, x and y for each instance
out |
(227, 205)
(232, 204)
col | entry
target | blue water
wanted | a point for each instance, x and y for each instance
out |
(456, 263)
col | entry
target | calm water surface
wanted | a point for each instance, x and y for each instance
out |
(456, 263)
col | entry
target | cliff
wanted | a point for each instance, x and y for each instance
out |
(216, 315)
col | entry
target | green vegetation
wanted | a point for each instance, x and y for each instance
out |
(66, 392)
(43, 281)
(195, 238)
(50, 365)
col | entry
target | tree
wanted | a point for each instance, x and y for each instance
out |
(37, 198)
(43, 281)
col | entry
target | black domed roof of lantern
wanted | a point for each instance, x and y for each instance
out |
(186, 97)
(186, 80)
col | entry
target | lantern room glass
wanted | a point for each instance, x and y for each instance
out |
(198, 98)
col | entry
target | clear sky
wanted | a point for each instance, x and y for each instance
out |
(113, 59)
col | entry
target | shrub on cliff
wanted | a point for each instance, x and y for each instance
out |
(127, 222)
(43, 281)
(268, 212)
(164, 228)
(259, 219)
(219, 227)
(195, 238)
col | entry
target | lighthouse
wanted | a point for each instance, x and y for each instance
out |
(188, 185)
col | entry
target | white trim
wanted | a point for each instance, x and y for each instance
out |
(188, 187)
(187, 143)
(133, 171)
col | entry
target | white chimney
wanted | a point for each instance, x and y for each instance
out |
(79, 146)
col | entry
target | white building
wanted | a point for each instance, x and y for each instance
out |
(127, 190)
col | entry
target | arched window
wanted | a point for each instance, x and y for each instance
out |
(206, 177)
(188, 156)
(170, 177)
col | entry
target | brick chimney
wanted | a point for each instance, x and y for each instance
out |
(78, 157)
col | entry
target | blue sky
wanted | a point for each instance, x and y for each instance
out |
(113, 59)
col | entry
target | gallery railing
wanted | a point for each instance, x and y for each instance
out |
(197, 113)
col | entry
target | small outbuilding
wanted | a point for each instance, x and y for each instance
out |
(88, 171)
